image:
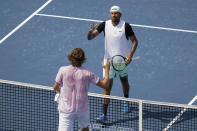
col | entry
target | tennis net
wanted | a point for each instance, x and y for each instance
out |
(28, 107)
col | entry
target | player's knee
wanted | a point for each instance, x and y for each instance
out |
(106, 93)
(124, 80)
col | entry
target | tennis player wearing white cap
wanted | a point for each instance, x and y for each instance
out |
(72, 83)
(117, 34)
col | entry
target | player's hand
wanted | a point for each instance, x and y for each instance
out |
(128, 59)
(92, 27)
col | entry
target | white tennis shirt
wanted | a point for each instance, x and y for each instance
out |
(116, 42)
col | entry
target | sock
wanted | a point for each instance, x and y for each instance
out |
(105, 106)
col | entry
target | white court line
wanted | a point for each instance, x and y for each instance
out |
(25, 21)
(143, 26)
(180, 114)
(72, 18)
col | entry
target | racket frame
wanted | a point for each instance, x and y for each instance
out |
(113, 64)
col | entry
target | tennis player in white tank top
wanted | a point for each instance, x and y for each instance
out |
(117, 35)
(115, 41)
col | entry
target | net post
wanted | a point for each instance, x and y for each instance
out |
(140, 115)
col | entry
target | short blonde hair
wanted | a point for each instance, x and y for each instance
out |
(77, 57)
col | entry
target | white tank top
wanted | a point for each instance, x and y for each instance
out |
(116, 42)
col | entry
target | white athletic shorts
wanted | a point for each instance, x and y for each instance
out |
(66, 120)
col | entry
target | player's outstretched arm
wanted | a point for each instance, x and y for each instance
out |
(56, 87)
(105, 82)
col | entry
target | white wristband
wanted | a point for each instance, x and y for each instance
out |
(56, 99)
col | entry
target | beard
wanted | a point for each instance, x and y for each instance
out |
(115, 19)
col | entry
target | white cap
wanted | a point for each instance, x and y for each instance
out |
(115, 9)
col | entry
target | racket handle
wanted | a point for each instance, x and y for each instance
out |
(136, 58)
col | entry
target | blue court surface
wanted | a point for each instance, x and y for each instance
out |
(36, 36)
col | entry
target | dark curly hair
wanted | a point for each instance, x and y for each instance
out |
(77, 57)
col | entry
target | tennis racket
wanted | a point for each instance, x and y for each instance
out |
(119, 62)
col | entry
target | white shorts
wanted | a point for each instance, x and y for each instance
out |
(66, 120)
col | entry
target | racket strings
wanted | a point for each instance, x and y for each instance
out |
(118, 63)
